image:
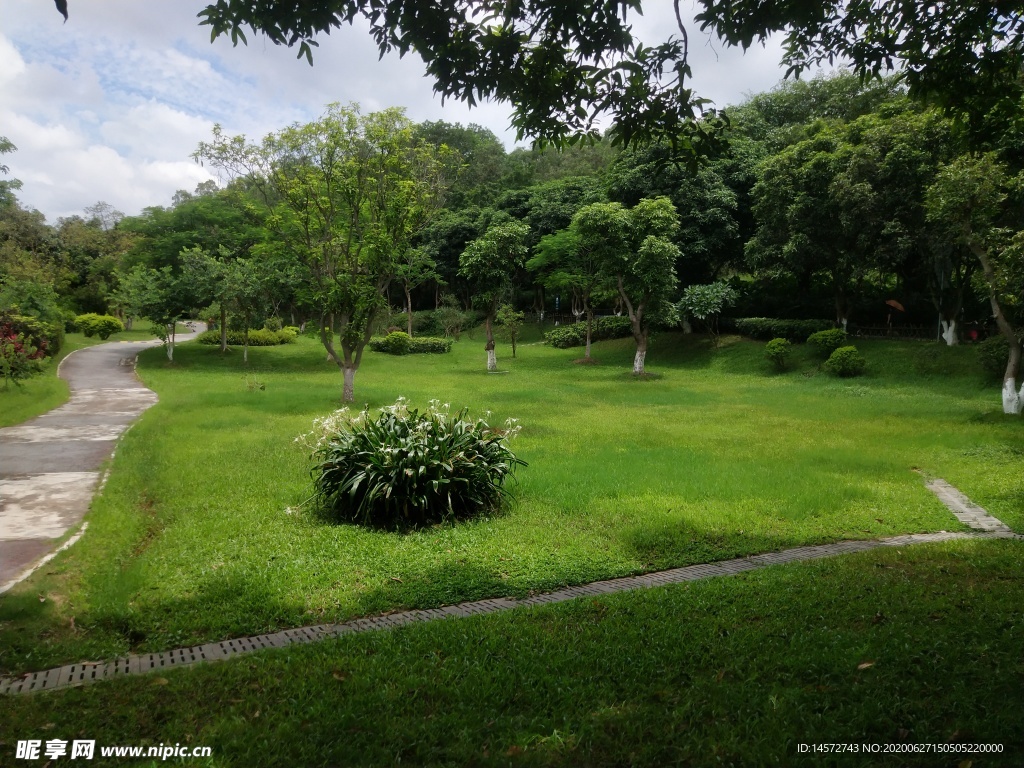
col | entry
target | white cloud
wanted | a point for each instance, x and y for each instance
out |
(110, 105)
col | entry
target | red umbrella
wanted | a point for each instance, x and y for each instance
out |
(895, 305)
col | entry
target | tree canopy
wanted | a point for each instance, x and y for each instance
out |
(566, 65)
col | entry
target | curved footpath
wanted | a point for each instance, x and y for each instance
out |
(49, 470)
(49, 466)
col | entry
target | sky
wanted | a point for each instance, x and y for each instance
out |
(110, 105)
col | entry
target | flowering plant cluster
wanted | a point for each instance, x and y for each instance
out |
(406, 468)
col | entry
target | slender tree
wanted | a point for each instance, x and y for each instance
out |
(346, 195)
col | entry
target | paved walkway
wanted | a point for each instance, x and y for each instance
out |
(984, 526)
(49, 466)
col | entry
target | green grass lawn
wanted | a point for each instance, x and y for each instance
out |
(912, 647)
(35, 396)
(199, 535)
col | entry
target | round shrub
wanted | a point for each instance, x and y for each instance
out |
(406, 468)
(103, 326)
(846, 361)
(827, 342)
(395, 343)
(777, 351)
(993, 353)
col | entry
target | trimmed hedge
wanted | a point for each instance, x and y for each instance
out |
(767, 328)
(827, 342)
(91, 324)
(417, 345)
(777, 351)
(846, 362)
(257, 338)
(575, 335)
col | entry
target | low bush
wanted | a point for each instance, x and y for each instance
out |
(257, 338)
(405, 468)
(993, 353)
(273, 324)
(777, 351)
(91, 324)
(846, 362)
(416, 345)
(46, 339)
(575, 335)
(19, 358)
(827, 342)
(395, 343)
(765, 328)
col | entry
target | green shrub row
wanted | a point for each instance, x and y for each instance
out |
(400, 343)
(575, 335)
(257, 338)
(103, 326)
(765, 328)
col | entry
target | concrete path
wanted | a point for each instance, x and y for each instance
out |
(983, 525)
(49, 466)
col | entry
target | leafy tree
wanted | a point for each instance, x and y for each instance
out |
(414, 268)
(965, 55)
(346, 194)
(635, 249)
(564, 67)
(706, 302)
(489, 263)
(967, 202)
(563, 262)
(7, 186)
(511, 322)
(708, 233)
(163, 295)
(813, 216)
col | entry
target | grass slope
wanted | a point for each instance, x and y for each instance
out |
(196, 535)
(911, 647)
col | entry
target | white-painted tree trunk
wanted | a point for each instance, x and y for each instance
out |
(170, 342)
(492, 360)
(1013, 399)
(843, 322)
(949, 334)
(348, 390)
(687, 327)
(638, 361)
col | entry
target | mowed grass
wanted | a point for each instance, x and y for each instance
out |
(199, 533)
(883, 650)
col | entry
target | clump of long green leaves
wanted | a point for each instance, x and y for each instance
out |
(406, 468)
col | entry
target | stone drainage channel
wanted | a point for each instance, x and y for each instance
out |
(984, 526)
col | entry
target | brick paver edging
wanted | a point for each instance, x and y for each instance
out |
(986, 527)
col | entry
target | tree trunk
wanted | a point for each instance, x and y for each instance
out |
(170, 341)
(687, 325)
(1013, 399)
(408, 310)
(641, 355)
(949, 333)
(245, 347)
(590, 326)
(348, 390)
(223, 330)
(492, 359)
